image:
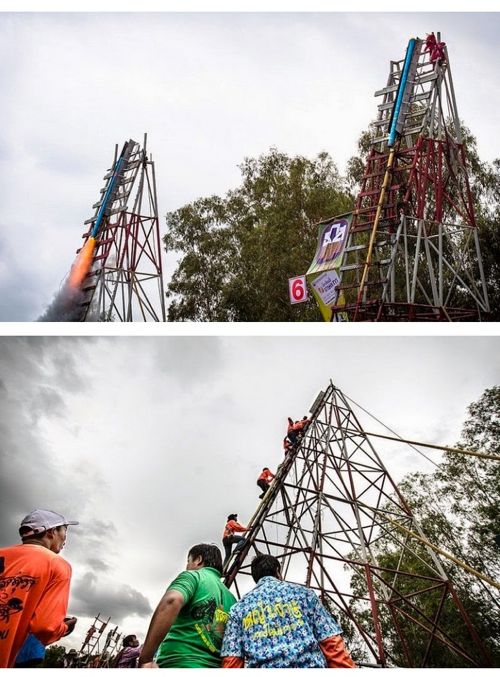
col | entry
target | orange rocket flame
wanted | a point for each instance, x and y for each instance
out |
(82, 264)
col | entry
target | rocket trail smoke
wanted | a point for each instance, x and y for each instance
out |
(66, 305)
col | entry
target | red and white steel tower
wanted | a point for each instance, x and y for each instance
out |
(339, 524)
(413, 251)
(125, 282)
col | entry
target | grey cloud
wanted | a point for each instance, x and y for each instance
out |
(97, 564)
(187, 359)
(19, 297)
(29, 477)
(93, 539)
(47, 402)
(92, 595)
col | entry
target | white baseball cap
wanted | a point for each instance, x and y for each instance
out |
(39, 520)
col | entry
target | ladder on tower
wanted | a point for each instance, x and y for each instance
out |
(255, 522)
(119, 183)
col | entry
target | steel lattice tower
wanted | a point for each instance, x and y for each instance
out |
(125, 281)
(326, 512)
(413, 249)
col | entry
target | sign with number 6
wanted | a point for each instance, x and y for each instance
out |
(297, 289)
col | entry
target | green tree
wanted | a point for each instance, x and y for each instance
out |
(458, 508)
(238, 251)
(54, 656)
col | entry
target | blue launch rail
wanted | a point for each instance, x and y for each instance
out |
(401, 89)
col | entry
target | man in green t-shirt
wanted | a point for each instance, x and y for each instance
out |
(188, 624)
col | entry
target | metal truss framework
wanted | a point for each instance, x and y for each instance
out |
(332, 503)
(416, 210)
(91, 648)
(125, 280)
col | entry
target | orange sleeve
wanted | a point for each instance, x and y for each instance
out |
(236, 526)
(232, 662)
(47, 623)
(335, 652)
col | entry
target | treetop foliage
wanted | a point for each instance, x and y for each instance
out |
(238, 251)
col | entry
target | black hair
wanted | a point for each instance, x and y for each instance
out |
(25, 532)
(232, 516)
(266, 468)
(210, 554)
(265, 565)
(129, 639)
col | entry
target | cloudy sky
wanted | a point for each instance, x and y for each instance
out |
(209, 89)
(151, 441)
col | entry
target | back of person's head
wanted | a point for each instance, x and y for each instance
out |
(265, 468)
(265, 565)
(129, 640)
(26, 533)
(232, 516)
(210, 554)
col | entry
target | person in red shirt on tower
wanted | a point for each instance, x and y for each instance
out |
(430, 43)
(229, 537)
(265, 479)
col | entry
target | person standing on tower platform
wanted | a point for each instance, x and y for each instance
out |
(281, 625)
(229, 537)
(264, 481)
(430, 43)
(437, 54)
(35, 585)
(187, 627)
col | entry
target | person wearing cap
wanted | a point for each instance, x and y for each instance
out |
(229, 537)
(35, 585)
(70, 659)
(130, 652)
(188, 624)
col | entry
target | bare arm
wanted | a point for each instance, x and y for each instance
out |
(165, 614)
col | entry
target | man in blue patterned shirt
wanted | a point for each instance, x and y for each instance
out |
(281, 625)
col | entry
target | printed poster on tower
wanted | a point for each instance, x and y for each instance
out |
(323, 275)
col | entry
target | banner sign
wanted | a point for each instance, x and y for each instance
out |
(297, 289)
(324, 272)
(325, 285)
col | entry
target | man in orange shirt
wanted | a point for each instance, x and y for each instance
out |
(265, 479)
(229, 537)
(34, 585)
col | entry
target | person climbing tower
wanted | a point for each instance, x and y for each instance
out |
(437, 54)
(230, 538)
(430, 43)
(264, 481)
(296, 430)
